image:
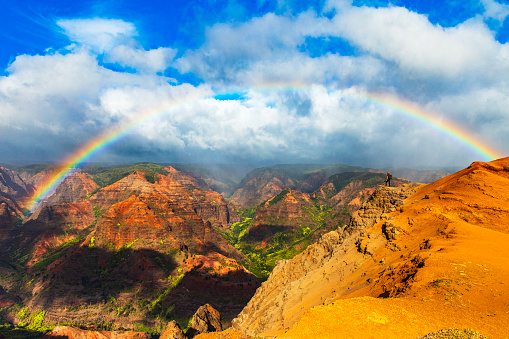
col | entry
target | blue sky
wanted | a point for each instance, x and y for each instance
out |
(277, 81)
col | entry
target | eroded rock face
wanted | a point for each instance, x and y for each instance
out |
(209, 206)
(186, 179)
(60, 217)
(424, 258)
(130, 240)
(312, 277)
(155, 221)
(7, 215)
(130, 220)
(288, 210)
(12, 186)
(205, 320)
(173, 331)
(383, 200)
(76, 333)
(13, 193)
(260, 186)
(73, 190)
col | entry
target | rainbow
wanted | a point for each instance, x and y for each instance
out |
(443, 126)
(74, 162)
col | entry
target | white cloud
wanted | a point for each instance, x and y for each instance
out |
(115, 39)
(56, 102)
(155, 60)
(495, 10)
(98, 33)
(230, 48)
(416, 45)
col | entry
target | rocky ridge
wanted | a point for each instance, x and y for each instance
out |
(260, 186)
(292, 286)
(437, 253)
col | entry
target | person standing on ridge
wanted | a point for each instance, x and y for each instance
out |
(388, 179)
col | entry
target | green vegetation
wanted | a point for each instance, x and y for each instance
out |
(279, 197)
(237, 231)
(104, 176)
(155, 308)
(141, 327)
(93, 192)
(98, 212)
(247, 212)
(19, 257)
(341, 180)
(118, 257)
(284, 242)
(92, 242)
(9, 331)
(302, 171)
(165, 262)
(150, 177)
(32, 321)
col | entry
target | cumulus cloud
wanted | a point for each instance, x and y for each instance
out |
(408, 39)
(57, 102)
(98, 33)
(115, 40)
(230, 48)
(399, 51)
(155, 60)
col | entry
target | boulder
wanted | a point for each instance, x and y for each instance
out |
(205, 320)
(173, 331)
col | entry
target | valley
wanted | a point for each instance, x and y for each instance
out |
(134, 247)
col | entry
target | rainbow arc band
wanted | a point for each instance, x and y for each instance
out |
(81, 156)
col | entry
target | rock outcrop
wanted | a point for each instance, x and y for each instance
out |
(205, 320)
(12, 186)
(263, 183)
(74, 189)
(288, 208)
(186, 179)
(13, 194)
(164, 213)
(173, 331)
(311, 278)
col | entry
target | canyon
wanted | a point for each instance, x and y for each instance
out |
(284, 252)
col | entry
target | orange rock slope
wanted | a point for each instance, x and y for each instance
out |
(437, 259)
(454, 239)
